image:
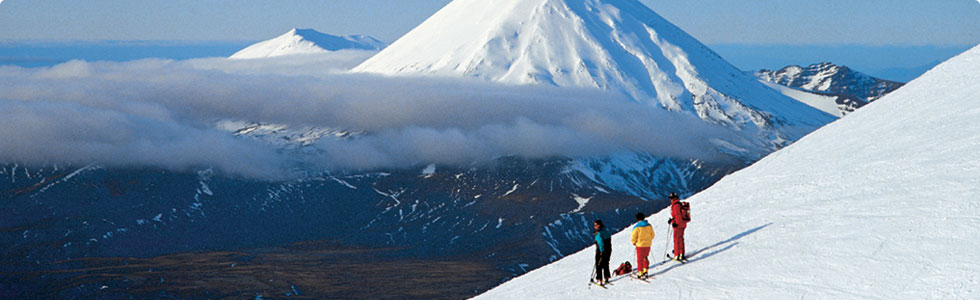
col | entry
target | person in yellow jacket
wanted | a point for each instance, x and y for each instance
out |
(642, 238)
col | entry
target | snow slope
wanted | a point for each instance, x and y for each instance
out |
(614, 45)
(888, 211)
(824, 103)
(306, 41)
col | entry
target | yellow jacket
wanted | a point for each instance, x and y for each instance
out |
(642, 235)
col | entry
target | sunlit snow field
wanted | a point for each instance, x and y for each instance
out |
(879, 205)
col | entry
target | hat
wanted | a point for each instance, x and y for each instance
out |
(672, 196)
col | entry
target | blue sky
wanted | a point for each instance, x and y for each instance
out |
(892, 39)
(788, 22)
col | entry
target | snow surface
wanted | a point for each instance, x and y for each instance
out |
(827, 104)
(306, 41)
(879, 205)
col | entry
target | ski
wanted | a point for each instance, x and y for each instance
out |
(597, 284)
(675, 259)
(633, 276)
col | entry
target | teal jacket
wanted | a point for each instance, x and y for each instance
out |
(603, 239)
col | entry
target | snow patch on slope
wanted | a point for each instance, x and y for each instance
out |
(429, 171)
(582, 201)
(824, 103)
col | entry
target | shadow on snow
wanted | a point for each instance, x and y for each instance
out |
(697, 256)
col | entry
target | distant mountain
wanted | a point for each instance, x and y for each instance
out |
(848, 89)
(307, 41)
(620, 46)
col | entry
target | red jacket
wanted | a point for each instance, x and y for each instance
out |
(675, 213)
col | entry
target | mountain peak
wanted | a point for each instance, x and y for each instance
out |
(831, 79)
(615, 45)
(304, 31)
(307, 41)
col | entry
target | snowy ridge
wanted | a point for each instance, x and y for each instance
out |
(67, 177)
(851, 89)
(306, 41)
(886, 212)
(642, 175)
(615, 45)
(831, 78)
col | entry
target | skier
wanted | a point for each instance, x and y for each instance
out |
(642, 238)
(603, 252)
(679, 223)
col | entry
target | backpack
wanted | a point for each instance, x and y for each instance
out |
(624, 268)
(685, 211)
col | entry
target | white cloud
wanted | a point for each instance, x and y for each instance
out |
(41, 132)
(162, 113)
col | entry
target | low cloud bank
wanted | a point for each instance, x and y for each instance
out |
(45, 132)
(162, 113)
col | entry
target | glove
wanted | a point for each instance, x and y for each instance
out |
(670, 221)
(674, 224)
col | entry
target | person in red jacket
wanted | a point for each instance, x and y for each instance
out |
(679, 225)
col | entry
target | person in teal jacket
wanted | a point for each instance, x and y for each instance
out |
(603, 252)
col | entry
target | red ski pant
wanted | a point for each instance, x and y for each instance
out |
(642, 263)
(679, 240)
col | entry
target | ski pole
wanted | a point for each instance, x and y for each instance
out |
(670, 230)
(591, 277)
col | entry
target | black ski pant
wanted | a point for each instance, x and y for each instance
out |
(602, 265)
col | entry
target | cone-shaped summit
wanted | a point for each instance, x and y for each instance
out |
(616, 45)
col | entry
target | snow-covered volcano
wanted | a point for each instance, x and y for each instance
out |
(307, 41)
(885, 212)
(615, 45)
